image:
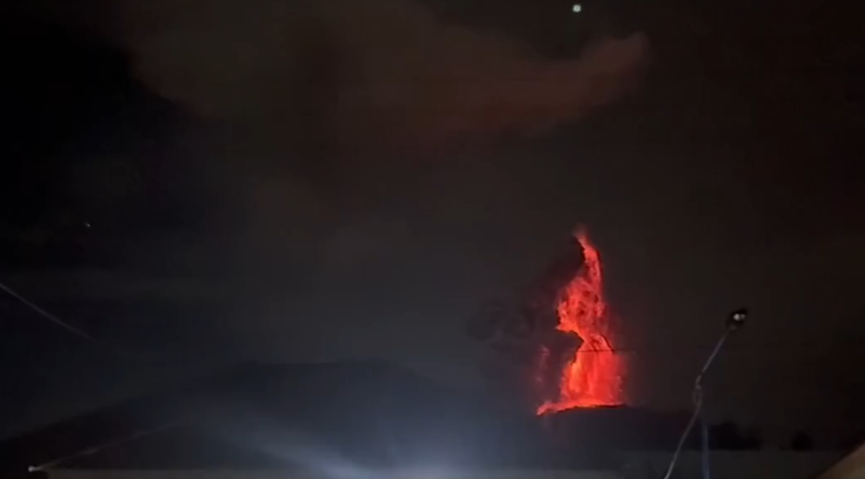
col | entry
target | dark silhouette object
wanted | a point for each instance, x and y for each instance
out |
(801, 441)
(529, 351)
(729, 436)
(753, 439)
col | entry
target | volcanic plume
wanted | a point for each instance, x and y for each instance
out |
(593, 377)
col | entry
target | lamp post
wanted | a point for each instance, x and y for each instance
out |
(735, 321)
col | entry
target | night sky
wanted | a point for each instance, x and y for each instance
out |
(195, 183)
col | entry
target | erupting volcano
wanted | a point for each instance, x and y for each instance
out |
(594, 376)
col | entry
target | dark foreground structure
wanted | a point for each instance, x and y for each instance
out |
(352, 420)
(300, 417)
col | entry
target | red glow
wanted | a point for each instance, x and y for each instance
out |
(594, 376)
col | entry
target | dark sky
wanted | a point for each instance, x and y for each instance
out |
(195, 183)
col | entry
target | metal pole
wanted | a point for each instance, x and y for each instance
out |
(697, 398)
(699, 380)
(704, 443)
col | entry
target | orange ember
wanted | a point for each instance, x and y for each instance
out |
(594, 376)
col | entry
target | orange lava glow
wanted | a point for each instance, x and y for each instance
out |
(593, 377)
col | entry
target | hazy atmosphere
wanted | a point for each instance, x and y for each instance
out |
(196, 183)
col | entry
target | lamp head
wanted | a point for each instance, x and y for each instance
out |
(737, 319)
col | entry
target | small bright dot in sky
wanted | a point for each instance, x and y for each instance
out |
(577, 8)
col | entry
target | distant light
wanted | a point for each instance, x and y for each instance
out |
(577, 8)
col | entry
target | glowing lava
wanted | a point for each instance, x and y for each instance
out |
(594, 376)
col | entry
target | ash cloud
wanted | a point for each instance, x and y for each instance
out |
(344, 152)
(349, 99)
(365, 74)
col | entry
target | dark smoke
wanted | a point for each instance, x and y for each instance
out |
(343, 151)
(371, 74)
(345, 92)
